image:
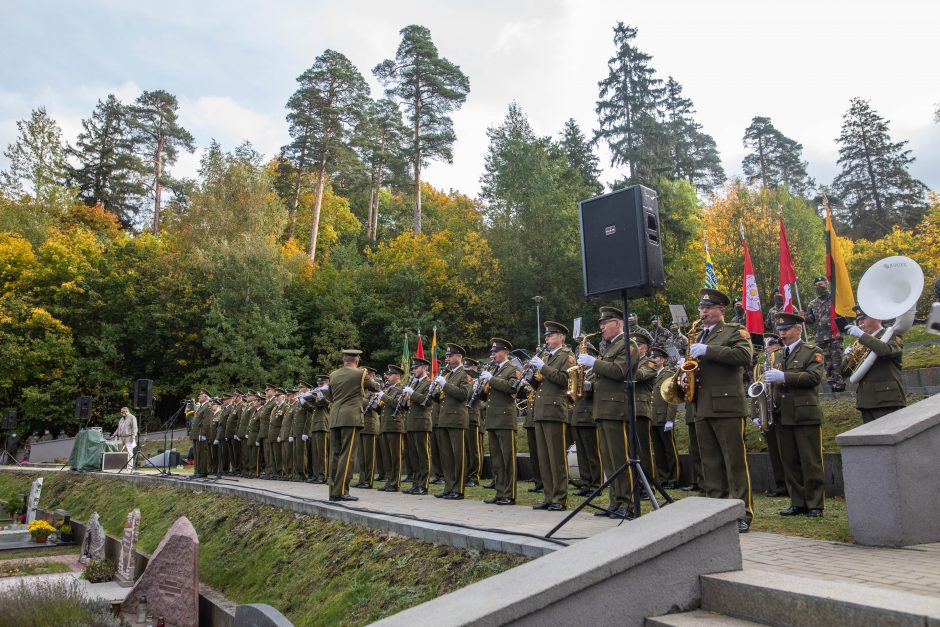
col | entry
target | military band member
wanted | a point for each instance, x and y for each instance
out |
(294, 449)
(392, 428)
(241, 432)
(695, 456)
(643, 396)
(197, 433)
(500, 390)
(218, 454)
(528, 423)
(551, 415)
(348, 387)
(232, 445)
(723, 350)
(796, 390)
(368, 449)
(318, 402)
(610, 410)
(828, 339)
(277, 435)
(881, 390)
(473, 450)
(773, 347)
(302, 421)
(418, 427)
(665, 455)
(213, 427)
(454, 384)
(585, 435)
(252, 440)
(266, 456)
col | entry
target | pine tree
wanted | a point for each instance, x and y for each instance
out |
(157, 137)
(775, 160)
(107, 171)
(583, 165)
(430, 87)
(694, 153)
(382, 142)
(628, 110)
(874, 185)
(37, 161)
(326, 107)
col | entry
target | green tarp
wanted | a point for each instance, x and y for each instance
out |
(89, 448)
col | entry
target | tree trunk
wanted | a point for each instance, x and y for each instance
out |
(292, 212)
(315, 223)
(417, 161)
(371, 200)
(158, 171)
(871, 178)
(375, 213)
(763, 164)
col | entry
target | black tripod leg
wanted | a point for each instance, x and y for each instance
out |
(587, 501)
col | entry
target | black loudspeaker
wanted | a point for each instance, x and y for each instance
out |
(9, 420)
(621, 243)
(83, 408)
(143, 393)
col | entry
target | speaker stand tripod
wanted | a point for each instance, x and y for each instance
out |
(640, 481)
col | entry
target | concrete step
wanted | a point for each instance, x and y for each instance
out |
(778, 599)
(697, 618)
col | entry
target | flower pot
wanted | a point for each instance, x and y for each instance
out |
(41, 539)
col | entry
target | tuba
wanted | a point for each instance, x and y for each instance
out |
(575, 390)
(888, 289)
(680, 388)
(763, 392)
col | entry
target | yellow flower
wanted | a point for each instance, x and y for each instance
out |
(40, 528)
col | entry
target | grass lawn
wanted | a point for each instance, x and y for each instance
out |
(20, 569)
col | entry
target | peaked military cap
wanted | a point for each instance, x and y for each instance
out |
(202, 391)
(820, 278)
(270, 386)
(351, 352)
(304, 384)
(323, 377)
(786, 320)
(419, 361)
(471, 362)
(455, 349)
(498, 344)
(710, 297)
(656, 351)
(216, 401)
(654, 317)
(554, 327)
(610, 313)
(473, 374)
(643, 336)
(372, 370)
(280, 390)
(292, 390)
(393, 369)
(252, 393)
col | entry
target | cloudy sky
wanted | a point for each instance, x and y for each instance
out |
(233, 64)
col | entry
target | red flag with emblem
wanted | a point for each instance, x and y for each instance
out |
(753, 318)
(787, 275)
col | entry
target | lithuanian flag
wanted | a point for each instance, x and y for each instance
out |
(843, 300)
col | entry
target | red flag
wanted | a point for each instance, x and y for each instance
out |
(419, 352)
(753, 318)
(787, 275)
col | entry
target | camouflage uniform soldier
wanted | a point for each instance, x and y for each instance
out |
(776, 308)
(739, 316)
(634, 325)
(817, 313)
(680, 341)
(659, 333)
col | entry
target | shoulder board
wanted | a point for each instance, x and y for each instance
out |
(651, 364)
(570, 358)
(744, 334)
(469, 379)
(898, 340)
(819, 358)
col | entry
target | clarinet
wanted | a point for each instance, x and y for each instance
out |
(478, 386)
(435, 388)
(373, 403)
(401, 397)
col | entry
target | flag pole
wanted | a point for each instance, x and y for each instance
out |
(796, 285)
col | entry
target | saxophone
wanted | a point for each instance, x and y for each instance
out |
(575, 390)
(680, 388)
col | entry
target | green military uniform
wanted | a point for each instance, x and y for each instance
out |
(217, 440)
(643, 398)
(252, 441)
(348, 387)
(528, 423)
(452, 426)
(665, 455)
(392, 433)
(287, 441)
(695, 456)
(769, 434)
(551, 416)
(437, 475)
(266, 456)
(276, 468)
(798, 423)
(720, 408)
(586, 438)
(500, 394)
(881, 390)
(298, 431)
(319, 428)
(368, 448)
(473, 452)
(233, 445)
(198, 434)
(418, 431)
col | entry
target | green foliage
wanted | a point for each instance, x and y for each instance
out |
(99, 571)
(37, 161)
(775, 160)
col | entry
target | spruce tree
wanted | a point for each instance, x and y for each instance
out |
(37, 161)
(875, 186)
(694, 153)
(775, 160)
(157, 137)
(430, 87)
(107, 170)
(583, 165)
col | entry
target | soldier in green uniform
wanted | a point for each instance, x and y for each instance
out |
(197, 433)
(302, 421)
(392, 427)
(739, 315)
(528, 423)
(665, 455)
(551, 415)
(473, 452)
(368, 448)
(453, 418)
(252, 441)
(772, 350)
(881, 390)
(643, 396)
(590, 475)
(827, 335)
(219, 425)
(213, 426)
(231, 428)
(348, 387)
(796, 391)
(723, 350)
(499, 389)
(695, 456)
(610, 411)
(266, 457)
(318, 402)
(292, 428)
(276, 435)
(241, 432)
(418, 427)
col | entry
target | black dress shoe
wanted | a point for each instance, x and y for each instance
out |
(437, 481)
(491, 501)
(556, 507)
(471, 484)
(490, 486)
(408, 491)
(505, 501)
(602, 513)
(388, 488)
(582, 492)
(776, 493)
(793, 510)
(670, 485)
(536, 489)
(742, 526)
(348, 497)
(814, 512)
(623, 512)
(541, 506)
(454, 496)
(420, 491)
(442, 495)
(690, 488)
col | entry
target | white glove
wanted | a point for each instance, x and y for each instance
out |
(698, 350)
(290, 439)
(586, 360)
(669, 426)
(257, 443)
(854, 331)
(237, 439)
(486, 375)
(847, 350)
(305, 437)
(319, 395)
(215, 442)
(278, 439)
(538, 363)
(440, 380)
(588, 386)
(379, 394)
(202, 438)
(408, 390)
(680, 361)
(756, 422)
(774, 376)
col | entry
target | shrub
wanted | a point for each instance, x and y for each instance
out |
(99, 571)
(60, 603)
(12, 503)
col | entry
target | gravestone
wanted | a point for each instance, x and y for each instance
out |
(33, 503)
(93, 543)
(171, 580)
(128, 559)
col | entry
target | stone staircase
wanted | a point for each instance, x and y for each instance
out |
(756, 597)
